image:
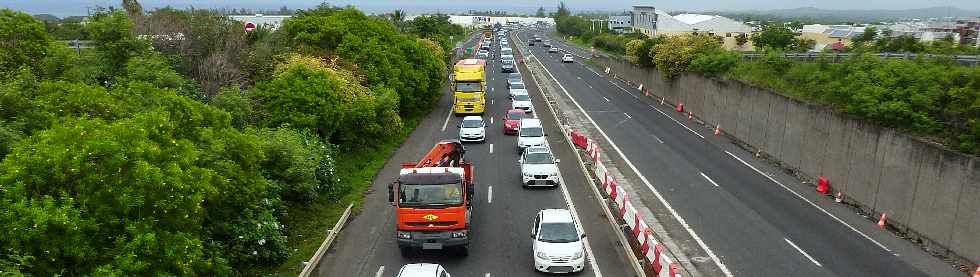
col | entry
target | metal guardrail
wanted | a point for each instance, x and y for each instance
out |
(310, 265)
(967, 60)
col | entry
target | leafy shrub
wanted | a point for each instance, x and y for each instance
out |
(300, 165)
(23, 41)
(717, 63)
(676, 53)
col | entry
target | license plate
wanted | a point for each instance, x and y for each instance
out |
(540, 182)
(431, 246)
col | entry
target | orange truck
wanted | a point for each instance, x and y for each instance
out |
(433, 200)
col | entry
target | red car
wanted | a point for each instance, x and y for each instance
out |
(512, 121)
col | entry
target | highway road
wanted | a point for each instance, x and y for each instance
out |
(502, 212)
(756, 226)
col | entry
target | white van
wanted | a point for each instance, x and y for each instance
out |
(506, 51)
(531, 133)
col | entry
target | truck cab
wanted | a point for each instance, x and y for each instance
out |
(469, 86)
(433, 201)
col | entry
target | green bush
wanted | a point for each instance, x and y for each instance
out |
(717, 63)
(299, 164)
(23, 41)
(675, 54)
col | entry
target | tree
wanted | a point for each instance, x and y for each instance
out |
(540, 12)
(741, 39)
(868, 35)
(802, 44)
(23, 41)
(774, 36)
(114, 41)
(562, 11)
(676, 53)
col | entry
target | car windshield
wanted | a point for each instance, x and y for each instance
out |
(514, 76)
(506, 51)
(468, 86)
(412, 195)
(558, 232)
(515, 115)
(517, 86)
(532, 132)
(539, 158)
(507, 62)
(522, 97)
(472, 123)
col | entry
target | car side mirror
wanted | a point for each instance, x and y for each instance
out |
(557, 160)
(391, 193)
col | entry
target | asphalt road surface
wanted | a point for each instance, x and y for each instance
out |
(756, 226)
(503, 210)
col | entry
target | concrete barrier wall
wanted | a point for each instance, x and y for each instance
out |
(929, 192)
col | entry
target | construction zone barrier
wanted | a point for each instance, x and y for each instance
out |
(645, 246)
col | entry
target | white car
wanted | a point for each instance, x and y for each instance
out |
(539, 167)
(531, 133)
(515, 84)
(506, 51)
(553, 50)
(506, 57)
(521, 100)
(567, 58)
(423, 270)
(515, 90)
(557, 244)
(472, 129)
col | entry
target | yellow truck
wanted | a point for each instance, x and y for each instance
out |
(469, 86)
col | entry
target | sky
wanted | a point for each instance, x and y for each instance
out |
(78, 7)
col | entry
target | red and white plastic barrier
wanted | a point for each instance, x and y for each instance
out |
(652, 251)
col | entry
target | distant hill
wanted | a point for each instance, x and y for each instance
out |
(817, 15)
(47, 17)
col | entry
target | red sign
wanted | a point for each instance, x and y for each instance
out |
(249, 26)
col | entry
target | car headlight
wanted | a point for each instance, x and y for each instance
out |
(528, 174)
(458, 234)
(542, 255)
(553, 174)
(404, 235)
(578, 255)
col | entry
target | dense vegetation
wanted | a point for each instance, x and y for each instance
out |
(579, 29)
(153, 156)
(937, 98)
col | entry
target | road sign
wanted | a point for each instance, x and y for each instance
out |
(249, 26)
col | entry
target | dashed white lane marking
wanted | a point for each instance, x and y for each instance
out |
(491, 148)
(489, 199)
(491, 88)
(590, 86)
(660, 197)
(580, 78)
(381, 270)
(488, 275)
(808, 201)
(802, 252)
(491, 118)
(658, 138)
(607, 99)
(709, 179)
(491, 101)
(628, 115)
(447, 120)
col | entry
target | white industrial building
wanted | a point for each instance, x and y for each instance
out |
(700, 23)
(620, 23)
(477, 20)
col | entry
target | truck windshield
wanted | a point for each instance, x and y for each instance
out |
(558, 232)
(412, 195)
(468, 86)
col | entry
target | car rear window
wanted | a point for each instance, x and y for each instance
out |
(515, 115)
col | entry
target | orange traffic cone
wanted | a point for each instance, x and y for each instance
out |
(881, 222)
(680, 107)
(662, 100)
(840, 197)
(977, 273)
(646, 93)
(718, 130)
(690, 115)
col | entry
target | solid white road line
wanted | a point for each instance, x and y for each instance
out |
(620, 87)
(381, 270)
(628, 115)
(607, 99)
(709, 179)
(447, 120)
(489, 196)
(678, 122)
(704, 246)
(808, 201)
(802, 252)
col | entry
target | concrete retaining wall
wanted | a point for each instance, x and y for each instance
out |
(929, 192)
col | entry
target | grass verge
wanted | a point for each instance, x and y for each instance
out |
(308, 224)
